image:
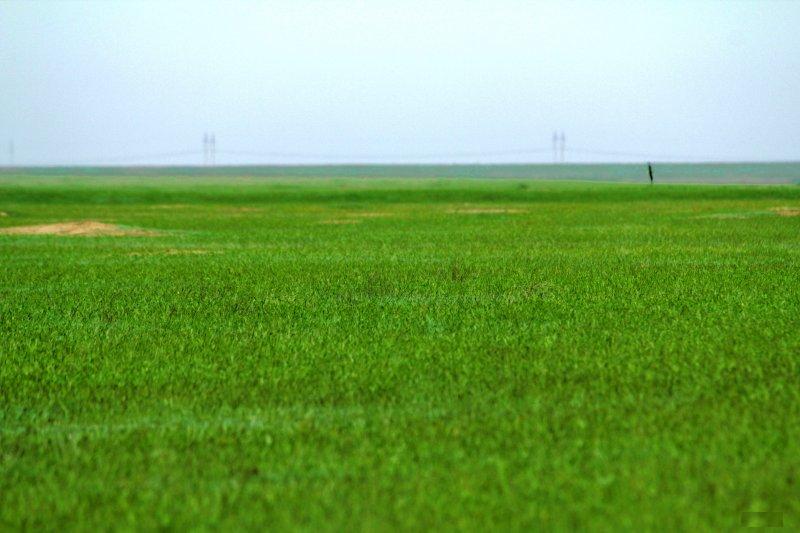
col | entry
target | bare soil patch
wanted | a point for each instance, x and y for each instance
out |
(739, 216)
(85, 228)
(369, 214)
(176, 251)
(484, 210)
(786, 211)
(341, 221)
(171, 206)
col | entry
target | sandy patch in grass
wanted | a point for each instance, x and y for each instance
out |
(341, 221)
(356, 217)
(786, 211)
(86, 228)
(485, 211)
(238, 212)
(177, 251)
(780, 211)
(738, 216)
(171, 206)
(369, 214)
(214, 207)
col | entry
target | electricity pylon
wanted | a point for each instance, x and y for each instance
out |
(213, 149)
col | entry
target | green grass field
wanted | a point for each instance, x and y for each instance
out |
(368, 354)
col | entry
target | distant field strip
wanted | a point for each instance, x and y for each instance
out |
(753, 173)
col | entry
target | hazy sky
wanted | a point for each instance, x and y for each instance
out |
(140, 82)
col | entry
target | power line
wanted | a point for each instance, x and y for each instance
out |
(298, 155)
(209, 150)
(614, 153)
(138, 157)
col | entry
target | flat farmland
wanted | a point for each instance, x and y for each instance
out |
(228, 351)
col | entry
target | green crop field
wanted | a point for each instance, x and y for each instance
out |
(240, 351)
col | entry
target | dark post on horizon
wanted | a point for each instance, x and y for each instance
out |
(650, 172)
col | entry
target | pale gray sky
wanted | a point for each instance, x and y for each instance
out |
(84, 82)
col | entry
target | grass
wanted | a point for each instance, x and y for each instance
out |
(399, 354)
